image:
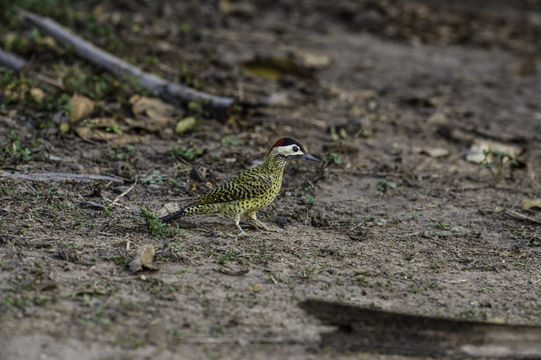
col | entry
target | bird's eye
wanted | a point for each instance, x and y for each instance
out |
(295, 148)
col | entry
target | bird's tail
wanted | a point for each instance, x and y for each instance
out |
(192, 210)
(174, 215)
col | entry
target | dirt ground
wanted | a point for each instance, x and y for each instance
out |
(391, 93)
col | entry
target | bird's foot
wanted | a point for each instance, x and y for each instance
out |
(242, 234)
(262, 225)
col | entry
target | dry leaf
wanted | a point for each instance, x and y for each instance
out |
(168, 208)
(37, 93)
(94, 134)
(278, 99)
(297, 63)
(434, 152)
(437, 118)
(185, 125)
(236, 8)
(530, 203)
(476, 154)
(113, 138)
(151, 114)
(143, 259)
(81, 106)
(128, 139)
(49, 41)
(108, 124)
(142, 104)
(311, 60)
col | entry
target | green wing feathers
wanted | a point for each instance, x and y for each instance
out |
(246, 185)
(249, 191)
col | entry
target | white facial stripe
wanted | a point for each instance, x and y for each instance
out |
(289, 150)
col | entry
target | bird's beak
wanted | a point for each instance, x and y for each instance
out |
(309, 157)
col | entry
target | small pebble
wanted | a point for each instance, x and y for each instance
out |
(281, 221)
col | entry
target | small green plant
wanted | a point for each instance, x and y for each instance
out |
(82, 80)
(231, 140)
(228, 256)
(107, 211)
(119, 260)
(534, 242)
(155, 178)
(473, 313)
(385, 185)
(332, 158)
(195, 108)
(307, 274)
(13, 151)
(123, 153)
(443, 226)
(156, 226)
(185, 28)
(310, 200)
(188, 154)
(496, 160)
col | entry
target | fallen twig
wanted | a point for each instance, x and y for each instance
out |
(51, 176)
(517, 215)
(166, 89)
(239, 272)
(93, 205)
(370, 173)
(124, 193)
(271, 341)
(11, 61)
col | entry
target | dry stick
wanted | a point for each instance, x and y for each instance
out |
(166, 89)
(51, 177)
(124, 193)
(517, 215)
(11, 61)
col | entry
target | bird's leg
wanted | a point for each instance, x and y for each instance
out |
(237, 224)
(252, 215)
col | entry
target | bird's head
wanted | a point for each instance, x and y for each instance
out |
(289, 149)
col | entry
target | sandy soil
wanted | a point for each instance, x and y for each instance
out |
(393, 225)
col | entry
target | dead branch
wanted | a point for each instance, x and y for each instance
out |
(11, 61)
(519, 216)
(167, 90)
(230, 272)
(52, 177)
(124, 193)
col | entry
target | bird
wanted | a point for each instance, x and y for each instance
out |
(249, 191)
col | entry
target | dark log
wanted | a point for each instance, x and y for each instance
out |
(378, 331)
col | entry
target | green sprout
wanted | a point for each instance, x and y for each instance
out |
(495, 161)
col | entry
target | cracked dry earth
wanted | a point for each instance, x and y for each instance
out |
(439, 242)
